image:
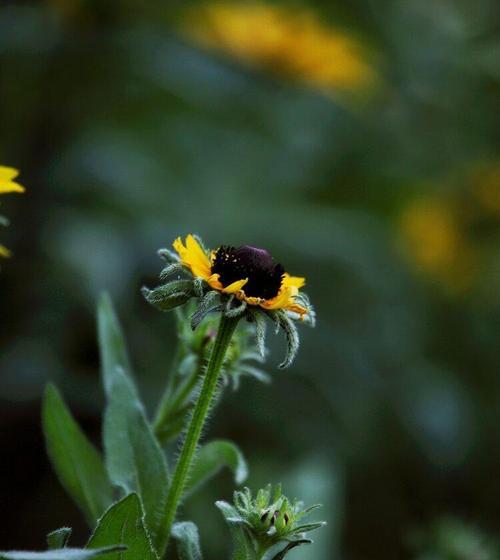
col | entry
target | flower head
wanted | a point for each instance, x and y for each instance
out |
(236, 281)
(268, 519)
(247, 272)
(8, 185)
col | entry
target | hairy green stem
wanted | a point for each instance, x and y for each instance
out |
(197, 421)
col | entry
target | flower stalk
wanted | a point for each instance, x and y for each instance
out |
(201, 409)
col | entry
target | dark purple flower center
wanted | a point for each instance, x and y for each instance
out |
(264, 276)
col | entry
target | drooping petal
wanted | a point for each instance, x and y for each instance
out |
(214, 282)
(284, 298)
(10, 187)
(296, 308)
(193, 256)
(235, 286)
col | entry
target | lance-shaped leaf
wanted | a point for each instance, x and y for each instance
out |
(244, 545)
(112, 345)
(134, 459)
(76, 461)
(59, 538)
(188, 540)
(214, 456)
(170, 295)
(61, 554)
(123, 522)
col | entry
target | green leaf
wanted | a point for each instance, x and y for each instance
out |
(60, 554)
(212, 457)
(188, 540)
(123, 522)
(244, 546)
(59, 538)
(112, 345)
(134, 459)
(76, 461)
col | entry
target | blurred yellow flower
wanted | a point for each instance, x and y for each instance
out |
(8, 185)
(434, 239)
(294, 43)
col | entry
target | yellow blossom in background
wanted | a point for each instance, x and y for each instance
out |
(435, 241)
(8, 185)
(292, 43)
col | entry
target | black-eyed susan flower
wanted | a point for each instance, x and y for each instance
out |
(290, 42)
(8, 185)
(236, 281)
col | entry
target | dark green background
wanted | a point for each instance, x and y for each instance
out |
(128, 136)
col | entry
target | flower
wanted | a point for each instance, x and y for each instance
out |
(434, 236)
(247, 272)
(292, 42)
(8, 185)
(237, 281)
(267, 520)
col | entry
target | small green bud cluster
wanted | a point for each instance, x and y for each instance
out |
(263, 522)
(272, 514)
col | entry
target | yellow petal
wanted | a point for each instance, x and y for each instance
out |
(4, 252)
(296, 308)
(214, 282)
(295, 281)
(10, 186)
(251, 300)
(235, 286)
(283, 299)
(8, 173)
(194, 257)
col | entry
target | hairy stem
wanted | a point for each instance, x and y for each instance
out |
(197, 421)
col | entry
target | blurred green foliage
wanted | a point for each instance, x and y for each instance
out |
(128, 134)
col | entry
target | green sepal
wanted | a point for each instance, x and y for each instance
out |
(59, 538)
(292, 338)
(172, 268)
(168, 256)
(77, 462)
(170, 295)
(211, 458)
(237, 310)
(188, 540)
(260, 331)
(209, 303)
(123, 522)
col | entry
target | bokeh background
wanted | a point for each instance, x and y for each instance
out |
(356, 140)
